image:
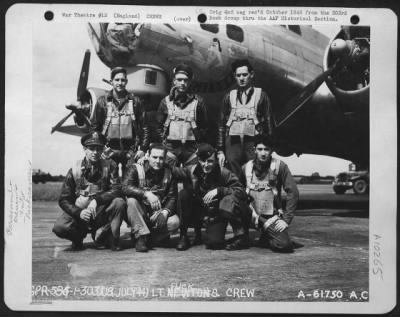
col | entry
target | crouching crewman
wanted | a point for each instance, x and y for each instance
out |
(264, 178)
(151, 193)
(90, 200)
(214, 196)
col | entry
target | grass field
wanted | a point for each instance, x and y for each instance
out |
(46, 192)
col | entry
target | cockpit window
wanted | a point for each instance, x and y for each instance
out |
(235, 33)
(213, 28)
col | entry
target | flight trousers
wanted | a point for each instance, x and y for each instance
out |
(276, 241)
(194, 213)
(76, 229)
(179, 153)
(237, 153)
(137, 217)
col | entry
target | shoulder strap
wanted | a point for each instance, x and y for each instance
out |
(194, 177)
(106, 168)
(233, 97)
(131, 110)
(141, 174)
(77, 171)
(110, 110)
(167, 176)
(170, 107)
(275, 163)
(233, 102)
(249, 173)
(256, 96)
(194, 103)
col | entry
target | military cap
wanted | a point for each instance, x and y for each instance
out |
(94, 138)
(204, 151)
(117, 70)
(184, 69)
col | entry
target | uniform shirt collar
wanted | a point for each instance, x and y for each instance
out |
(247, 92)
(180, 99)
(112, 97)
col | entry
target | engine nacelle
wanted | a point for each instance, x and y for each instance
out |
(350, 85)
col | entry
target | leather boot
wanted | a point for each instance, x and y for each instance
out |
(115, 244)
(197, 238)
(141, 244)
(77, 245)
(241, 242)
(183, 243)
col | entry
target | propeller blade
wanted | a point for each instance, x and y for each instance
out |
(73, 130)
(58, 125)
(306, 93)
(83, 78)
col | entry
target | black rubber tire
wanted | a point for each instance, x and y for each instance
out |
(360, 187)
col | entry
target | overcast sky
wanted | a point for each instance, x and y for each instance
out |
(58, 51)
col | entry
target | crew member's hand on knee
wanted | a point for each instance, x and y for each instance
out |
(152, 200)
(280, 225)
(210, 196)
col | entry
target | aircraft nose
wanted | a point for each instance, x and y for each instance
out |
(120, 40)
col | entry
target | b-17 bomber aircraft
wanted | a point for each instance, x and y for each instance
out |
(319, 87)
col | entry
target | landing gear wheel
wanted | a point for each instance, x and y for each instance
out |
(360, 187)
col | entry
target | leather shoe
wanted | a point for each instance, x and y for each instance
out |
(183, 244)
(241, 242)
(141, 244)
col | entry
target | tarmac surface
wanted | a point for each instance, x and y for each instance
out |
(330, 261)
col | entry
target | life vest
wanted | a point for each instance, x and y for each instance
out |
(243, 117)
(181, 122)
(85, 188)
(159, 190)
(120, 123)
(262, 190)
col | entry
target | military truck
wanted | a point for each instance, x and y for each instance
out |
(353, 179)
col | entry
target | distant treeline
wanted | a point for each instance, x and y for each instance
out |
(39, 176)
